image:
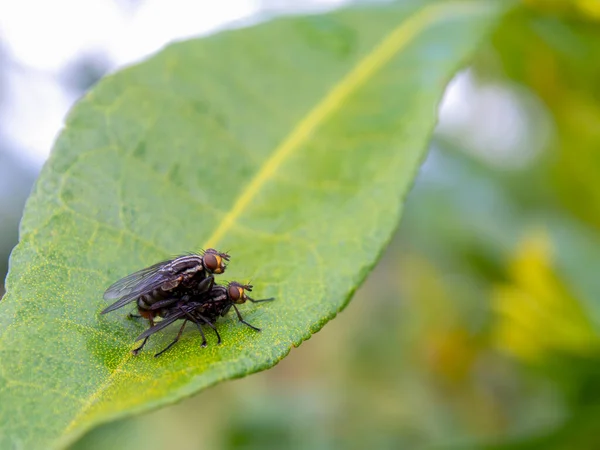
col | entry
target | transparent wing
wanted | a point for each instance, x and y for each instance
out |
(134, 281)
(178, 314)
(135, 285)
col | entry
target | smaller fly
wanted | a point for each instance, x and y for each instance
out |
(203, 309)
(159, 284)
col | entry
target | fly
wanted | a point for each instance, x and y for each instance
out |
(202, 309)
(160, 283)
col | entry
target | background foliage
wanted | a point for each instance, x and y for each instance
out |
(479, 328)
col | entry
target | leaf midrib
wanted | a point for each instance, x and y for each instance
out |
(389, 46)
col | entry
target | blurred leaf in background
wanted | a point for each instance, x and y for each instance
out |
(553, 50)
(539, 313)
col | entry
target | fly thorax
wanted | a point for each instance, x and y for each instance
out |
(186, 264)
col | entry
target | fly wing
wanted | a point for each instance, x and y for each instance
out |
(178, 314)
(137, 284)
(135, 281)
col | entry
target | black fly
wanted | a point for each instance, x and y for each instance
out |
(202, 309)
(164, 283)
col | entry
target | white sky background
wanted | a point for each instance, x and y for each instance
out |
(44, 37)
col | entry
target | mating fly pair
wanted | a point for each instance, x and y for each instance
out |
(181, 288)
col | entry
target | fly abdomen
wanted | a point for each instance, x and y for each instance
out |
(143, 302)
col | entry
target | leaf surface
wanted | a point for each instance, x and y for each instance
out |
(290, 144)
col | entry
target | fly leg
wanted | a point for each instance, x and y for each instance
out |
(162, 303)
(210, 324)
(206, 284)
(131, 315)
(135, 351)
(174, 340)
(270, 299)
(242, 319)
(193, 319)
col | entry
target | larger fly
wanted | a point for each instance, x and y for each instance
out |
(160, 285)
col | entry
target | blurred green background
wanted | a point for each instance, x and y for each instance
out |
(480, 326)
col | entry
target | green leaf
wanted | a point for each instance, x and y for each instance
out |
(291, 144)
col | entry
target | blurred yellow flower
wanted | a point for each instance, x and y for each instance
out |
(590, 8)
(537, 314)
